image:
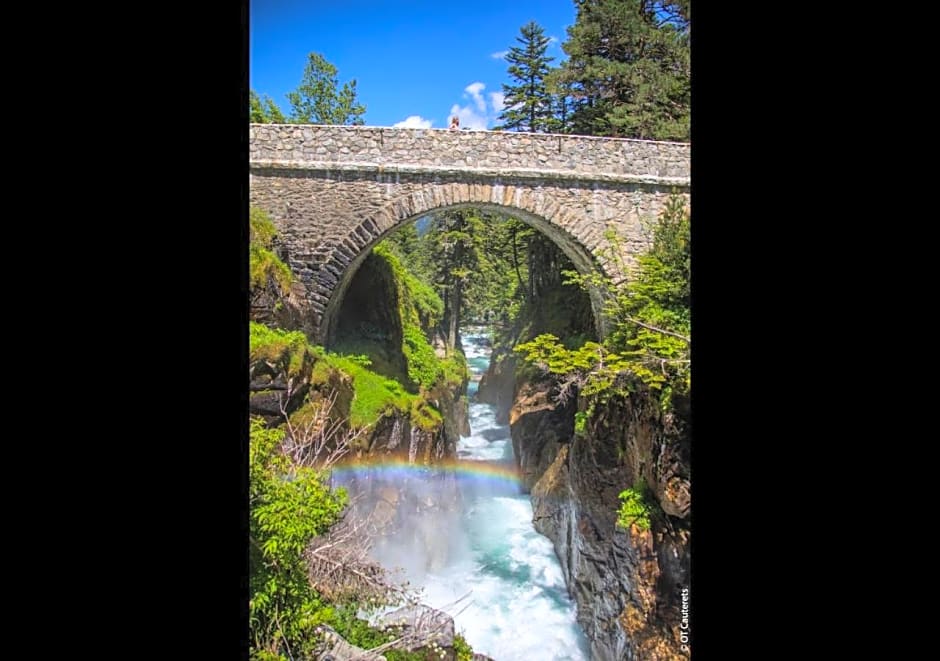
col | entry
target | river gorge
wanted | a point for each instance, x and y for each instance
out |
(468, 541)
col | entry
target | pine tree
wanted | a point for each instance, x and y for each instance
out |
(629, 68)
(319, 100)
(528, 104)
(263, 110)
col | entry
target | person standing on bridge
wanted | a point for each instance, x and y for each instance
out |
(454, 123)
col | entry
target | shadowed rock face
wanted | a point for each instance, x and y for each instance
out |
(369, 320)
(627, 583)
(497, 385)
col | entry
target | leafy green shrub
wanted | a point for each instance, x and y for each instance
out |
(288, 506)
(361, 359)
(463, 649)
(649, 316)
(634, 509)
(284, 348)
(374, 395)
(424, 367)
(356, 631)
(264, 266)
(580, 422)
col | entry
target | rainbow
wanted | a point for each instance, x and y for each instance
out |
(397, 469)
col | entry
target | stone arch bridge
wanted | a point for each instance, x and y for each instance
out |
(334, 191)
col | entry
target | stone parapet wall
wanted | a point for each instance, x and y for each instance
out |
(548, 155)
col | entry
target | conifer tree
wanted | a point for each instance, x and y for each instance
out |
(263, 110)
(629, 68)
(528, 104)
(320, 100)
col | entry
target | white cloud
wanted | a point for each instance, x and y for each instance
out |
(497, 100)
(482, 109)
(474, 89)
(552, 40)
(469, 118)
(499, 55)
(413, 122)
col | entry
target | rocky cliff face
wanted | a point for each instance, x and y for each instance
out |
(405, 511)
(627, 583)
(497, 385)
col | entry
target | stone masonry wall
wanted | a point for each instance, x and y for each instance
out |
(545, 155)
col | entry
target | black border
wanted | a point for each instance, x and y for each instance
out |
(190, 115)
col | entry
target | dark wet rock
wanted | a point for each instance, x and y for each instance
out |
(497, 384)
(627, 583)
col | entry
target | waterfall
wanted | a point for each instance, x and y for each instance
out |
(413, 447)
(395, 437)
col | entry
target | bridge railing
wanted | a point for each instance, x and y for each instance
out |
(392, 148)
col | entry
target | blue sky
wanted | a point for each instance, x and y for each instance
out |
(415, 62)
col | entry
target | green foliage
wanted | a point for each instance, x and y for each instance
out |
(288, 505)
(424, 416)
(375, 395)
(592, 367)
(288, 349)
(634, 509)
(462, 648)
(347, 623)
(423, 365)
(264, 267)
(363, 360)
(628, 69)
(419, 307)
(478, 261)
(319, 100)
(454, 369)
(528, 104)
(649, 317)
(263, 110)
(420, 304)
(580, 422)
(355, 630)
(473, 261)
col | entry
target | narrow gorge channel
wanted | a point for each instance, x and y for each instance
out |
(464, 535)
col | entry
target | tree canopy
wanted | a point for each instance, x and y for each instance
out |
(263, 110)
(628, 69)
(320, 100)
(528, 104)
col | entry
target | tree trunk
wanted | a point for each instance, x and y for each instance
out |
(515, 258)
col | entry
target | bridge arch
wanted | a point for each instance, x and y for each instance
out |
(335, 191)
(545, 215)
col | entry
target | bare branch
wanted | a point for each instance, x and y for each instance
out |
(658, 330)
(424, 627)
(318, 440)
(339, 564)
